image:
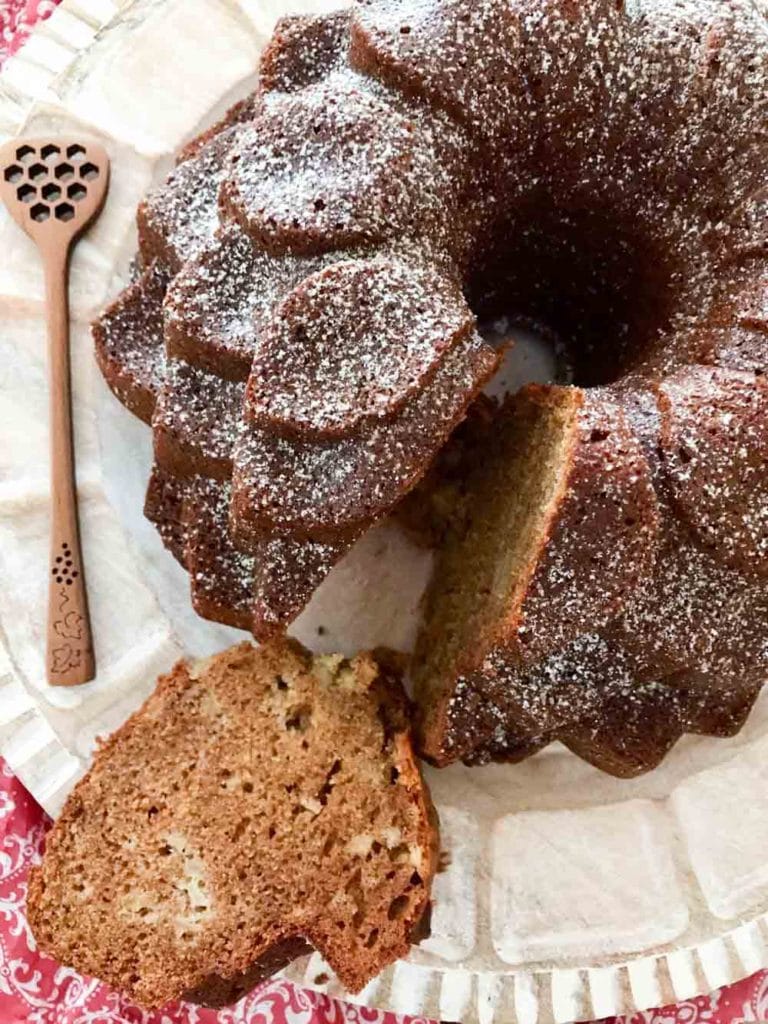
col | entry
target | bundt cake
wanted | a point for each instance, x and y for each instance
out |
(302, 334)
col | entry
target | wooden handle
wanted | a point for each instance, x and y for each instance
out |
(69, 656)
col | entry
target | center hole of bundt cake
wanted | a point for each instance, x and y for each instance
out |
(586, 284)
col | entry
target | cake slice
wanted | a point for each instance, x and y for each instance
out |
(258, 799)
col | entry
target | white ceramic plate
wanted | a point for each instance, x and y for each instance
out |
(570, 895)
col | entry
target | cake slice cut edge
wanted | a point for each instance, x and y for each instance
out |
(475, 600)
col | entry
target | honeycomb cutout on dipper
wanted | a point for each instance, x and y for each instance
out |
(51, 180)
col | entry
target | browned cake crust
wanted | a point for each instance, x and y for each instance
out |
(217, 992)
(322, 489)
(303, 50)
(218, 303)
(239, 113)
(178, 218)
(257, 592)
(715, 449)
(223, 296)
(256, 799)
(128, 339)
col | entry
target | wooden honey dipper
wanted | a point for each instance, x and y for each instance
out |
(54, 188)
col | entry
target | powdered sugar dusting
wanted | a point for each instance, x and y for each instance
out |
(335, 485)
(582, 581)
(197, 420)
(304, 50)
(715, 446)
(180, 216)
(221, 576)
(335, 165)
(221, 299)
(129, 342)
(352, 344)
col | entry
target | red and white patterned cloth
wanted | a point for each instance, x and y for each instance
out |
(17, 18)
(36, 990)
